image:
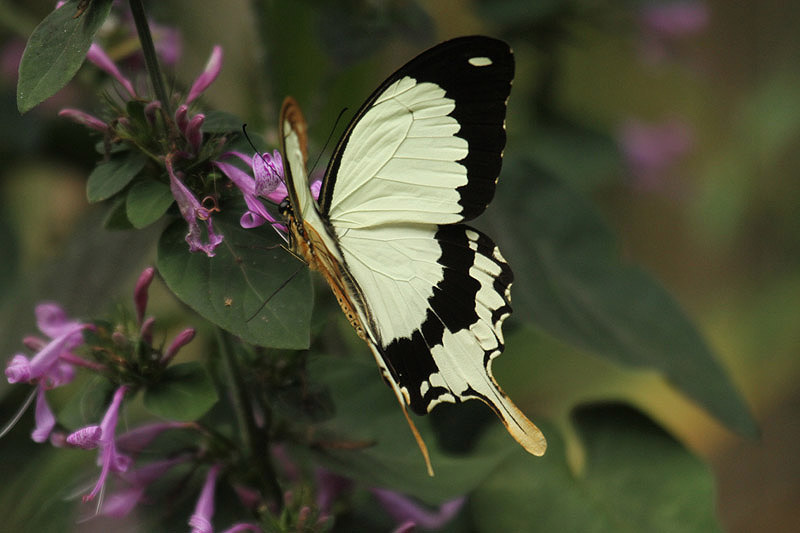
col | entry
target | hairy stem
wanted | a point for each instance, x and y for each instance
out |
(255, 440)
(149, 51)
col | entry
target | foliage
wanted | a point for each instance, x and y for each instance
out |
(284, 404)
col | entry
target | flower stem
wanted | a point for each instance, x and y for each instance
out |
(255, 440)
(149, 51)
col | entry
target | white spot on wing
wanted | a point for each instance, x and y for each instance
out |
(480, 61)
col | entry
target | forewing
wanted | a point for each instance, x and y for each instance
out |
(427, 145)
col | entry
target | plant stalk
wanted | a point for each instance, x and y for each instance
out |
(150, 58)
(255, 440)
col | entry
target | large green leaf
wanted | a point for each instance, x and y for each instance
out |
(382, 451)
(184, 392)
(241, 288)
(56, 50)
(571, 283)
(147, 201)
(110, 177)
(634, 478)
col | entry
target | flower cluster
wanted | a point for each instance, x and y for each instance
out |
(54, 363)
(167, 140)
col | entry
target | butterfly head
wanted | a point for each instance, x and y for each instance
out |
(285, 209)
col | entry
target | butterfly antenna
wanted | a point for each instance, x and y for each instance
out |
(250, 142)
(275, 292)
(328, 140)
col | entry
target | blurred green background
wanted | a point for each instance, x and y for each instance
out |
(715, 218)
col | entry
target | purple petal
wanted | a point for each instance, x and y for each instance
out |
(182, 118)
(60, 374)
(405, 527)
(249, 497)
(84, 119)
(651, 150)
(121, 503)
(88, 438)
(167, 43)
(182, 339)
(192, 210)
(148, 474)
(46, 360)
(150, 111)
(110, 460)
(675, 19)
(193, 132)
(316, 186)
(45, 420)
(52, 319)
(257, 209)
(138, 439)
(279, 194)
(141, 290)
(210, 73)
(404, 509)
(19, 369)
(109, 423)
(99, 57)
(146, 331)
(239, 177)
(200, 520)
(268, 172)
(330, 487)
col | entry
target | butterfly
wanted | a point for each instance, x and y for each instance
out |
(427, 293)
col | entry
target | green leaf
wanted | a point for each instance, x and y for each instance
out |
(110, 177)
(147, 201)
(183, 393)
(369, 439)
(56, 50)
(87, 404)
(570, 282)
(117, 216)
(241, 289)
(222, 122)
(635, 477)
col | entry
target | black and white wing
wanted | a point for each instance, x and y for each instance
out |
(421, 156)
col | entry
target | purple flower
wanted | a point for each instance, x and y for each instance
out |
(268, 184)
(210, 73)
(122, 502)
(200, 521)
(102, 436)
(330, 486)
(84, 119)
(140, 292)
(256, 214)
(268, 172)
(45, 420)
(408, 513)
(193, 131)
(146, 331)
(652, 150)
(99, 57)
(167, 43)
(52, 366)
(662, 25)
(139, 438)
(182, 339)
(192, 210)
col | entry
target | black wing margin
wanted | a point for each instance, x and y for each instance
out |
(476, 73)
